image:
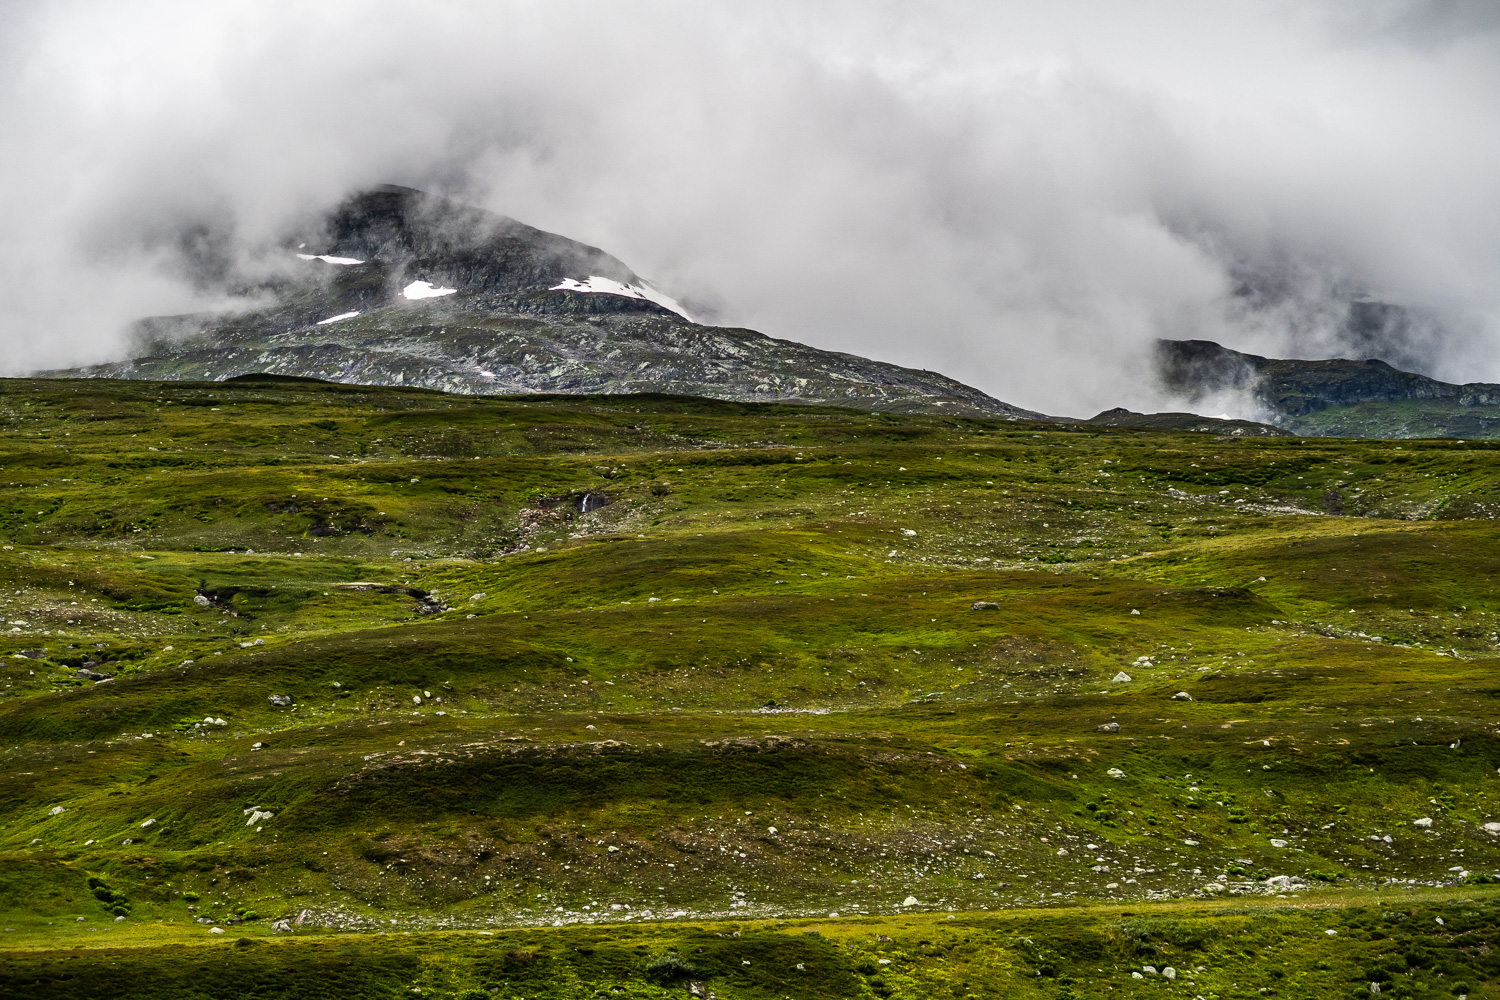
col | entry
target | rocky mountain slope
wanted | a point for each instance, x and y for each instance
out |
(1337, 397)
(404, 288)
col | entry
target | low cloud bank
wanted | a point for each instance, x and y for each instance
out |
(1022, 198)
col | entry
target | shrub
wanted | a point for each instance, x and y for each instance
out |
(668, 967)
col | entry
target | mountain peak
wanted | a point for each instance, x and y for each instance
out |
(402, 287)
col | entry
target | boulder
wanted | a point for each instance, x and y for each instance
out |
(1425, 823)
(1122, 678)
(984, 606)
(1182, 696)
(281, 700)
(1108, 727)
(1115, 772)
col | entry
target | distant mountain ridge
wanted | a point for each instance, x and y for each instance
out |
(400, 287)
(1336, 397)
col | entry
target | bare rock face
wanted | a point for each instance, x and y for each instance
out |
(398, 287)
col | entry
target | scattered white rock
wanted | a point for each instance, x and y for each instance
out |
(1115, 772)
(910, 901)
(1425, 823)
(1277, 843)
(216, 930)
(59, 810)
(1108, 727)
(1121, 678)
(1182, 696)
(148, 823)
(1491, 828)
(1169, 972)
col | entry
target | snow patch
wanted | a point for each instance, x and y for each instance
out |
(340, 316)
(329, 259)
(425, 290)
(608, 286)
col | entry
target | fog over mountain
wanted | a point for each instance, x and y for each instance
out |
(1020, 196)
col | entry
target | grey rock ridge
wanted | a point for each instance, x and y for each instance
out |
(400, 287)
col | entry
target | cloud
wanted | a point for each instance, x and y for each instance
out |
(1022, 196)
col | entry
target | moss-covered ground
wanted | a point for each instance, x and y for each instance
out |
(517, 695)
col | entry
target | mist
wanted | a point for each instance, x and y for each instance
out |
(1021, 196)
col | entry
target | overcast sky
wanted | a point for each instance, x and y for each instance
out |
(1020, 195)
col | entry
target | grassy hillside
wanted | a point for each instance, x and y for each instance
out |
(595, 675)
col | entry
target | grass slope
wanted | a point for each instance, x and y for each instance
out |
(591, 674)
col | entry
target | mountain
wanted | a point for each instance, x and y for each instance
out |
(399, 287)
(1335, 397)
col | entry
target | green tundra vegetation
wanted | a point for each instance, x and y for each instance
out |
(319, 690)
